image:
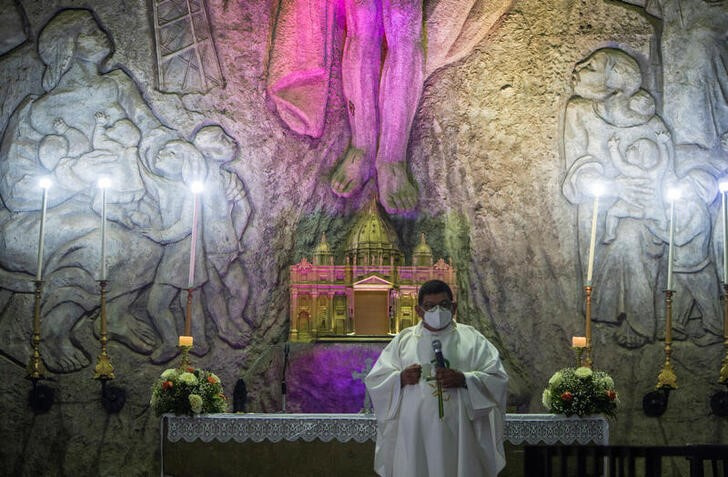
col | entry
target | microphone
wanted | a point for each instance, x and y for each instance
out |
(439, 358)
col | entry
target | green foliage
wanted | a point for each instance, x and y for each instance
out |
(188, 391)
(580, 391)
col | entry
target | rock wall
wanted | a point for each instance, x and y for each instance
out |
(502, 149)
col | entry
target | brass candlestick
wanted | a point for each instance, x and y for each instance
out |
(667, 378)
(104, 370)
(587, 330)
(185, 362)
(723, 379)
(35, 368)
(579, 352)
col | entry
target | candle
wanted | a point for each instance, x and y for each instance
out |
(723, 185)
(103, 184)
(185, 341)
(673, 194)
(196, 189)
(597, 191)
(45, 183)
(578, 341)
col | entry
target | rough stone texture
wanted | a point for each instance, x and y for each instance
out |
(486, 153)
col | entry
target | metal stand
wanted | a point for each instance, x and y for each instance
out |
(587, 327)
(40, 397)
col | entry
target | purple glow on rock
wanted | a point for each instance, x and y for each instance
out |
(320, 379)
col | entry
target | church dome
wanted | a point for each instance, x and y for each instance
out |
(322, 254)
(422, 256)
(373, 239)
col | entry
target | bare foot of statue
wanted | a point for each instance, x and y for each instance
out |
(200, 348)
(396, 192)
(628, 337)
(235, 332)
(130, 330)
(61, 356)
(164, 353)
(351, 173)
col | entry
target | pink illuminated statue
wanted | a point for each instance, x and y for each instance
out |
(391, 48)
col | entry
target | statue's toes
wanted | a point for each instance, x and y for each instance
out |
(163, 353)
(65, 358)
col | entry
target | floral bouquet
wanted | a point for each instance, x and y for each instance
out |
(580, 391)
(188, 391)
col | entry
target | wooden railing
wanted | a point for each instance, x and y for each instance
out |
(623, 461)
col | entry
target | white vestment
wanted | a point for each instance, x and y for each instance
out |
(411, 438)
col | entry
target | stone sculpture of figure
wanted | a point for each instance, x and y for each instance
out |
(694, 272)
(175, 166)
(225, 213)
(606, 105)
(642, 159)
(382, 86)
(73, 46)
(694, 54)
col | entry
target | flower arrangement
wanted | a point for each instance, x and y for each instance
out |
(580, 391)
(188, 391)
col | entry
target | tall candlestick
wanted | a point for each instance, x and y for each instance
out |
(723, 190)
(673, 195)
(196, 189)
(45, 184)
(103, 184)
(593, 239)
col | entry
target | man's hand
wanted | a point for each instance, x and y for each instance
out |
(410, 375)
(450, 378)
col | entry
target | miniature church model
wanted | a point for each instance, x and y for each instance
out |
(372, 296)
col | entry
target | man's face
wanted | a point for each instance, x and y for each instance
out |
(436, 299)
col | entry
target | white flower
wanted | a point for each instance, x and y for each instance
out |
(195, 403)
(556, 379)
(169, 374)
(188, 378)
(546, 399)
(607, 382)
(583, 372)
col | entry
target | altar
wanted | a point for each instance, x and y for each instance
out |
(321, 444)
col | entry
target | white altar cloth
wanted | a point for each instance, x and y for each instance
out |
(519, 428)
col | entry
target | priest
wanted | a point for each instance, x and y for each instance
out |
(440, 409)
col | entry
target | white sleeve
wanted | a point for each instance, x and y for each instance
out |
(383, 382)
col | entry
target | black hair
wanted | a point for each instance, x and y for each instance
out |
(433, 287)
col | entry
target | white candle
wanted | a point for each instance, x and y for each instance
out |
(103, 184)
(593, 240)
(673, 195)
(196, 189)
(724, 189)
(44, 184)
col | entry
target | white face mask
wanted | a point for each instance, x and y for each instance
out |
(438, 317)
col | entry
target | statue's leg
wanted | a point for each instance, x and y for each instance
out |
(361, 64)
(400, 91)
(160, 299)
(226, 294)
(57, 350)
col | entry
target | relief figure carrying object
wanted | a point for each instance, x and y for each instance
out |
(385, 63)
(609, 108)
(694, 62)
(73, 46)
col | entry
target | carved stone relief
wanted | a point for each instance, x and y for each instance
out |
(87, 125)
(187, 61)
(613, 136)
(382, 90)
(12, 26)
